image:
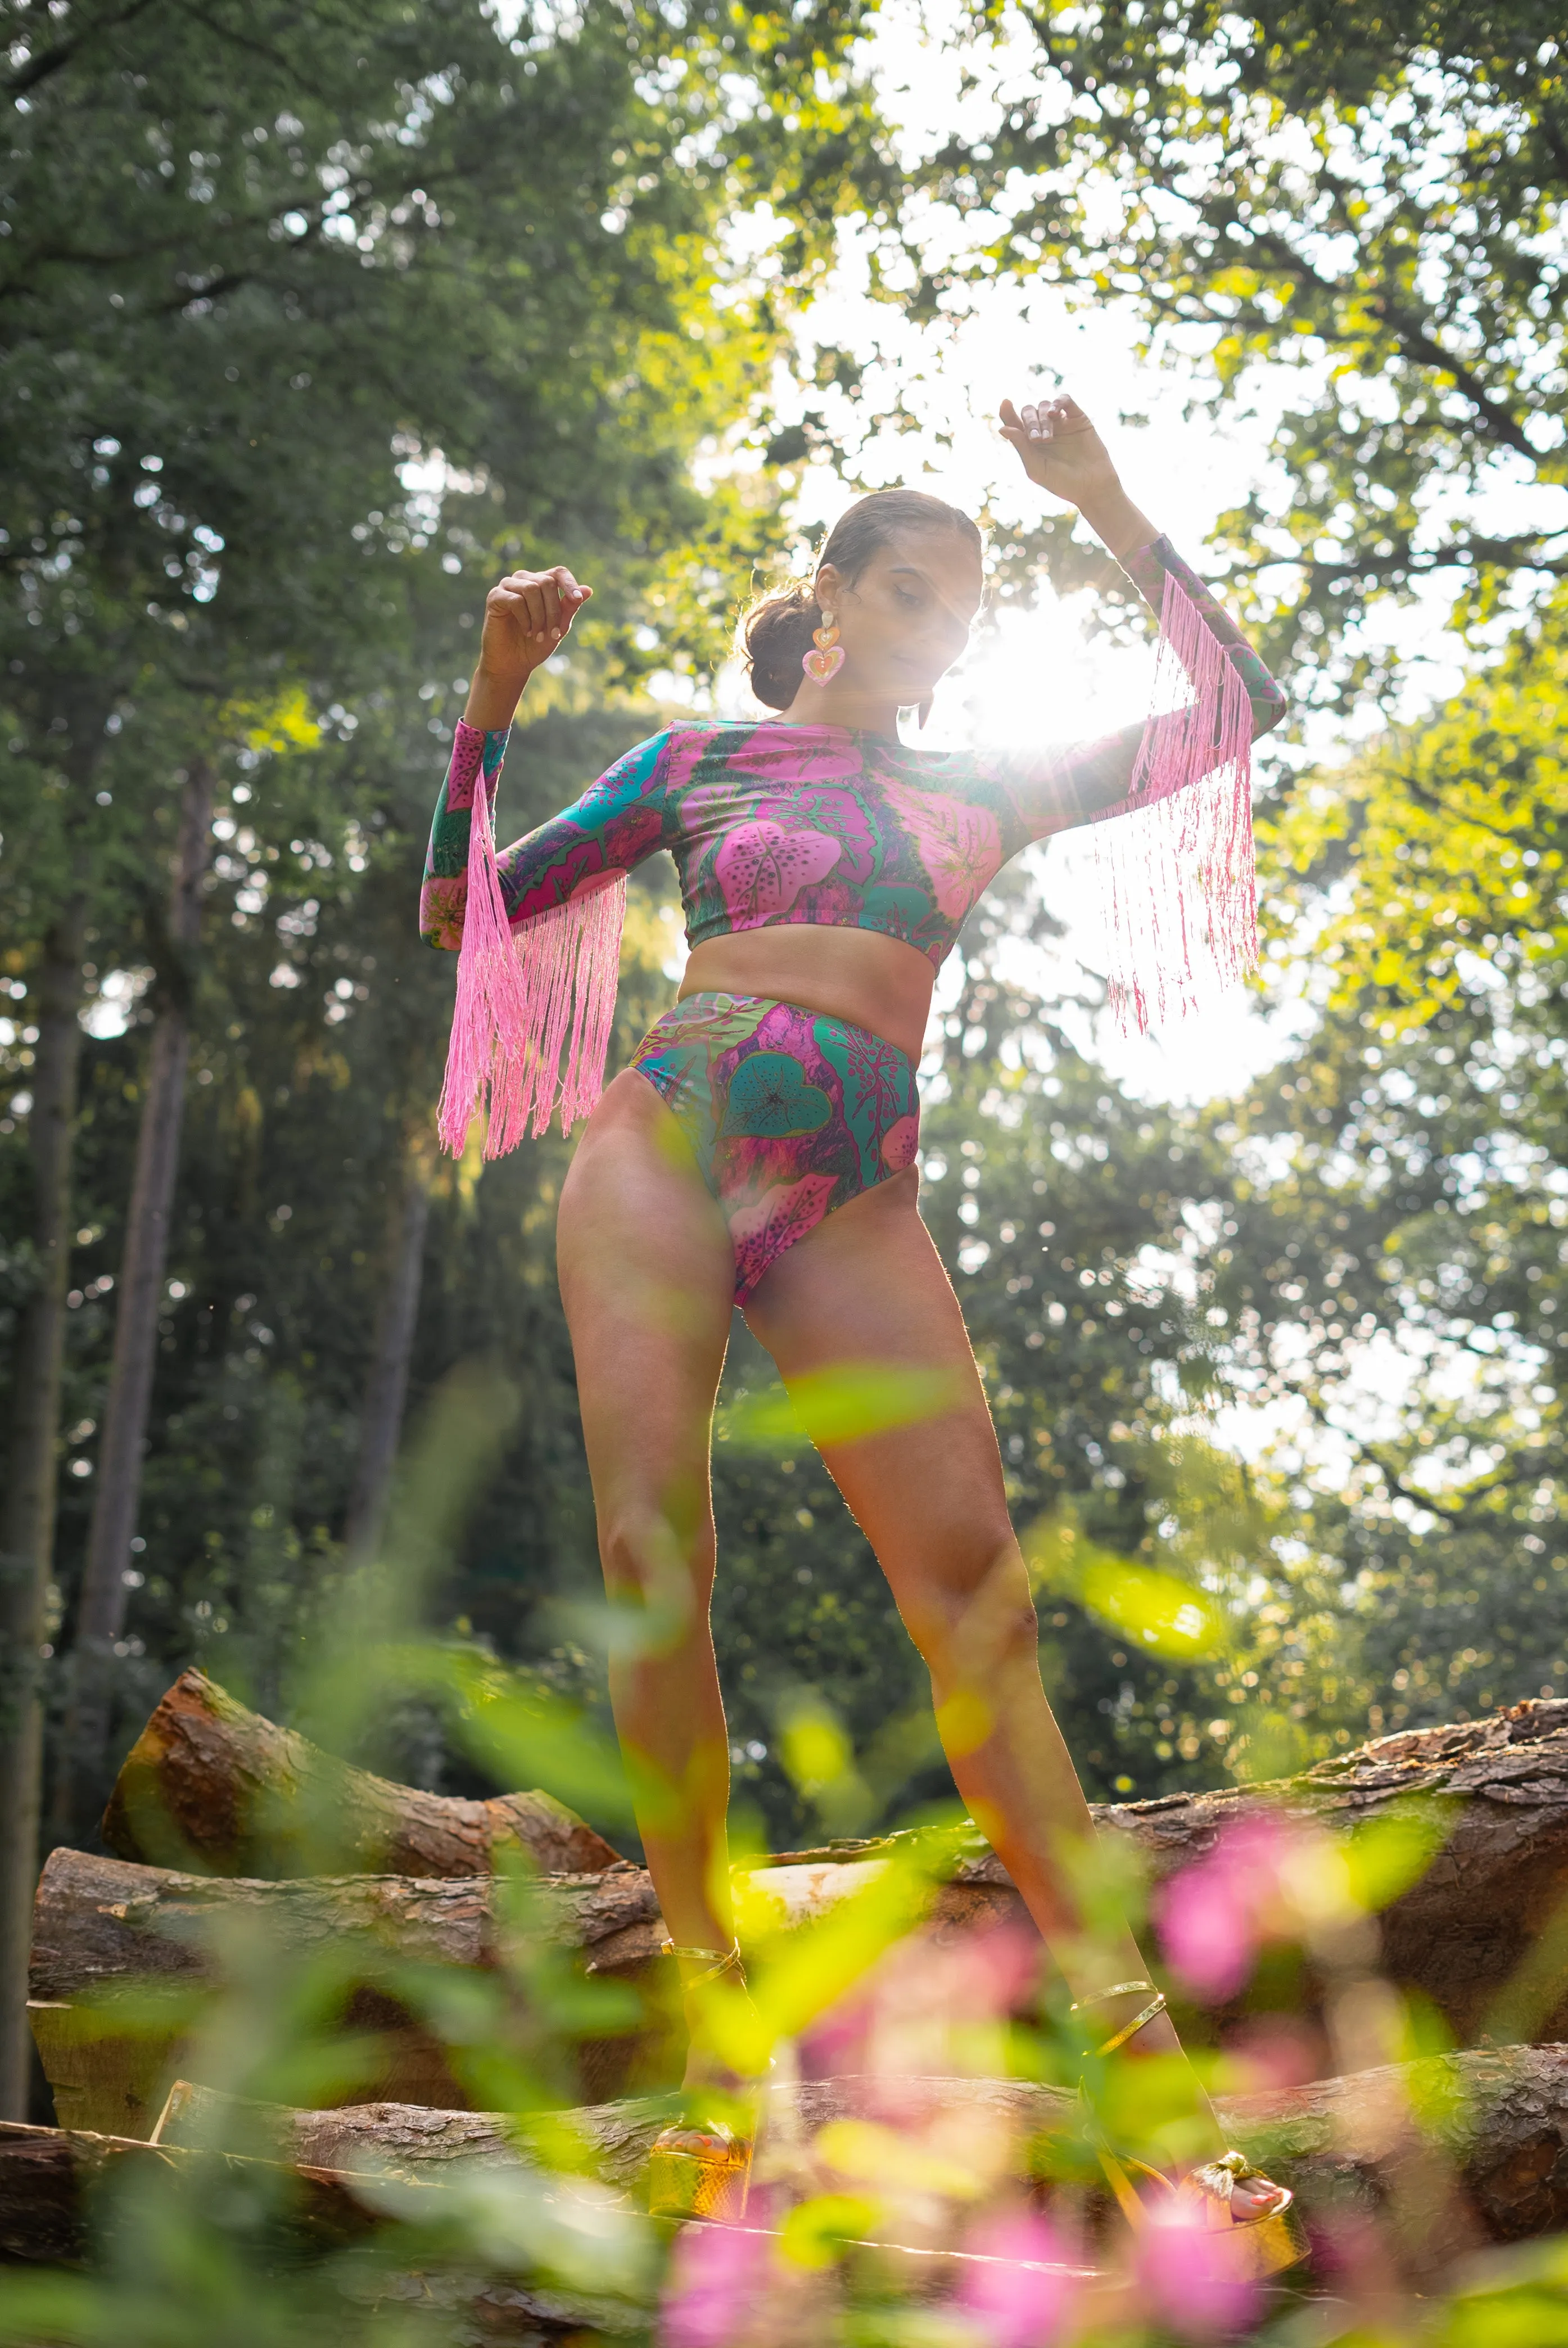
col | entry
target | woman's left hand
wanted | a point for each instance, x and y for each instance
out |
(1059, 448)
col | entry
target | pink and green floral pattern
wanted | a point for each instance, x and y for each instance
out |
(789, 1115)
(770, 823)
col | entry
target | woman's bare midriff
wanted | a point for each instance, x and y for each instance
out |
(871, 982)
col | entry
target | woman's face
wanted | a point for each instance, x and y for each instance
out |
(905, 619)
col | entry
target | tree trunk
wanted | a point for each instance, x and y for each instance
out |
(103, 1923)
(51, 2210)
(105, 1928)
(1497, 2120)
(213, 1787)
(1488, 1916)
(27, 1538)
(101, 1600)
(392, 1348)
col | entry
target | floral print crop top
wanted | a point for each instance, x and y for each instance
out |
(771, 823)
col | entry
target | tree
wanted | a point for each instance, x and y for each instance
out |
(100, 1614)
(1370, 197)
(1401, 1183)
(258, 267)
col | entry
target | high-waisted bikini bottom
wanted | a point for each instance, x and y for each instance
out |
(789, 1114)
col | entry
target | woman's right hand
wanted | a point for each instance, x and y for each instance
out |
(527, 617)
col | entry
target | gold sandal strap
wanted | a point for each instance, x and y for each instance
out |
(719, 1961)
(1156, 2005)
(1101, 1996)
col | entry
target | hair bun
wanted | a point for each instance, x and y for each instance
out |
(776, 636)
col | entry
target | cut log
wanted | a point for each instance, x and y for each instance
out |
(1499, 2120)
(212, 1788)
(57, 2186)
(103, 1922)
(1491, 2162)
(1492, 1910)
(49, 2178)
(1497, 1889)
(211, 1775)
(103, 1926)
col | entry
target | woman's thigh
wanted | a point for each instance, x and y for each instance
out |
(646, 1277)
(868, 1286)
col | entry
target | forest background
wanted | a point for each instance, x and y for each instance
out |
(317, 321)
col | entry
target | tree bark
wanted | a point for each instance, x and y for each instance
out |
(104, 1927)
(392, 1349)
(27, 1533)
(1497, 2119)
(49, 2177)
(1491, 1910)
(102, 1598)
(215, 1788)
(1483, 1931)
(101, 1924)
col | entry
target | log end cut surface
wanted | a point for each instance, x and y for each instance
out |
(214, 1789)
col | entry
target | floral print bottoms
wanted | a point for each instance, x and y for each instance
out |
(789, 1114)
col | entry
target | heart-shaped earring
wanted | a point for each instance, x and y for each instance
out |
(827, 656)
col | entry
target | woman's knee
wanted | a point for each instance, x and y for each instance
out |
(977, 1611)
(658, 1555)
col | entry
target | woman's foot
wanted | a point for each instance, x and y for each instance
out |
(1228, 2182)
(1225, 2187)
(701, 2166)
(1246, 2191)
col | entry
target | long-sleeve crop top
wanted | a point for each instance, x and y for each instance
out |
(771, 823)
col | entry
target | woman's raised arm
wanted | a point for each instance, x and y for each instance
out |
(614, 825)
(1056, 787)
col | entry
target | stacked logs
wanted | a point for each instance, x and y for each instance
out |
(211, 1825)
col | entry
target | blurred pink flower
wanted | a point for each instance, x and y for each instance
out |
(1268, 2052)
(1185, 2278)
(1026, 2299)
(1214, 1915)
(716, 2274)
(993, 1973)
(913, 2012)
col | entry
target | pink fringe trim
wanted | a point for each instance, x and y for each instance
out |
(530, 1026)
(1178, 862)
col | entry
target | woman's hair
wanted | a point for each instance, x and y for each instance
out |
(776, 633)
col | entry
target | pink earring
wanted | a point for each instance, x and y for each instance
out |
(826, 657)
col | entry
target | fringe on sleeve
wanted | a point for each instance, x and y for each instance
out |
(530, 1026)
(1182, 883)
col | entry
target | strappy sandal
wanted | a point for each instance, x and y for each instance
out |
(1253, 2247)
(701, 2168)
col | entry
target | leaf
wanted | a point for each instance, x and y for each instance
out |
(842, 1404)
(1158, 1611)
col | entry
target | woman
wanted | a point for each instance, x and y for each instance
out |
(760, 1147)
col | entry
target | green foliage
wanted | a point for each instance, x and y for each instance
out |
(1399, 1185)
(317, 323)
(1370, 197)
(548, 2231)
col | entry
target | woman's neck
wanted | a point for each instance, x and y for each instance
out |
(836, 704)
